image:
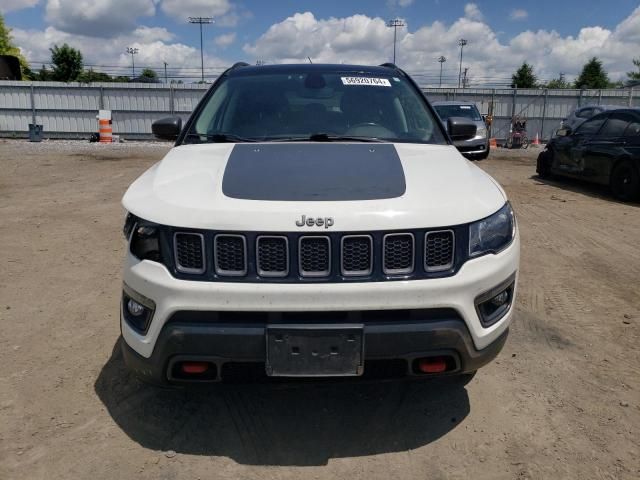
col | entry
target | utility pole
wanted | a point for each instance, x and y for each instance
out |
(395, 23)
(201, 21)
(464, 77)
(441, 59)
(462, 42)
(165, 72)
(133, 51)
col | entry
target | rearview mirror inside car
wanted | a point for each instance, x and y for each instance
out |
(167, 128)
(461, 128)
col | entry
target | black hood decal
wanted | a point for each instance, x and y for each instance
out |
(313, 172)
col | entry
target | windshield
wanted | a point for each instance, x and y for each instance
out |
(467, 111)
(317, 106)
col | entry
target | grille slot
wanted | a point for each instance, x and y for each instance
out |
(356, 255)
(439, 250)
(398, 253)
(230, 252)
(314, 256)
(188, 250)
(272, 253)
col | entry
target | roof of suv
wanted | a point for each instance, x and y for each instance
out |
(452, 102)
(310, 67)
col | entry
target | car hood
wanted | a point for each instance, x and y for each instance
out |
(269, 187)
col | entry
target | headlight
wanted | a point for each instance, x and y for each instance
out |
(481, 132)
(145, 241)
(493, 233)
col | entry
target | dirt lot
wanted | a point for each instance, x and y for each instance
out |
(561, 401)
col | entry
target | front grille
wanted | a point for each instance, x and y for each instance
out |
(189, 252)
(272, 256)
(439, 250)
(230, 253)
(314, 256)
(328, 257)
(357, 255)
(398, 256)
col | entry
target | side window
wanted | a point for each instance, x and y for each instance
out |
(633, 130)
(591, 126)
(616, 125)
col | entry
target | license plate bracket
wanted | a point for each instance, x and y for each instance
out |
(315, 350)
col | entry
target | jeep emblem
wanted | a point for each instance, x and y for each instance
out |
(315, 222)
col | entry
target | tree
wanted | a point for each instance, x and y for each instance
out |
(148, 73)
(89, 76)
(524, 77)
(635, 75)
(67, 63)
(593, 75)
(8, 48)
(43, 75)
(557, 83)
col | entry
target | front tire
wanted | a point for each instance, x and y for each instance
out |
(625, 181)
(543, 164)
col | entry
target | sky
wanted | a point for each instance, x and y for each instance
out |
(553, 36)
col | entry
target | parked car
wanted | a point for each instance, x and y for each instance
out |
(314, 221)
(605, 149)
(476, 148)
(580, 114)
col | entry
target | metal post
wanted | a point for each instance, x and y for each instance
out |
(33, 104)
(580, 97)
(544, 114)
(462, 42)
(493, 111)
(101, 99)
(513, 104)
(172, 107)
(631, 96)
(599, 96)
(201, 55)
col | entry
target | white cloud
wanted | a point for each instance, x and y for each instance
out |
(224, 40)
(154, 46)
(518, 14)
(364, 40)
(103, 18)
(7, 6)
(472, 12)
(399, 3)
(182, 9)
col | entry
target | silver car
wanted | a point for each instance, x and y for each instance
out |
(476, 148)
(581, 114)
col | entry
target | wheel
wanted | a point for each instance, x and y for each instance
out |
(543, 164)
(625, 181)
(509, 142)
(524, 143)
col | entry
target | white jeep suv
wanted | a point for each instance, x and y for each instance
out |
(314, 221)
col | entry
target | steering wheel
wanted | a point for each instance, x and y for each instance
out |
(369, 129)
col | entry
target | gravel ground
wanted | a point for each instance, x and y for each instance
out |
(561, 401)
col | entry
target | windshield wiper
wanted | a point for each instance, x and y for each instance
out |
(221, 137)
(325, 137)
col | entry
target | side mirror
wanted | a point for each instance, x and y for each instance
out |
(461, 128)
(167, 128)
(563, 132)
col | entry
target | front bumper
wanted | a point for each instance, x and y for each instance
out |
(476, 146)
(462, 332)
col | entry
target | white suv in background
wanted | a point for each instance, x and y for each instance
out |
(313, 221)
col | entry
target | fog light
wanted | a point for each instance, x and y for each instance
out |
(500, 299)
(492, 305)
(135, 308)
